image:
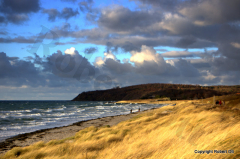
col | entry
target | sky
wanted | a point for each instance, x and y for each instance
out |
(54, 50)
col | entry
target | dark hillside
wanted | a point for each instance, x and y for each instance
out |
(145, 91)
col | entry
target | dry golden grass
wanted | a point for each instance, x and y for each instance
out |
(167, 132)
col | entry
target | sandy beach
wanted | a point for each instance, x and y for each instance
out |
(57, 133)
(182, 128)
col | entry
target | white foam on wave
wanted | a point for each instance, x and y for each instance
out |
(61, 114)
(102, 107)
(14, 111)
(48, 110)
(14, 127)
(27, 115)
(80, 110)
(20, 115)
(3, 128)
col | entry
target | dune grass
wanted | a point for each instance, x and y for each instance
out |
(167, 132)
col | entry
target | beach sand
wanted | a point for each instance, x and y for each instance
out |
(57, 133)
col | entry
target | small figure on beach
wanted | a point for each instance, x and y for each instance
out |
(217, 102)
(131, 111)
(220, 102)
(138, 109)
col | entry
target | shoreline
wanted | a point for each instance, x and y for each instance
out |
(57, 133)
(179, 128)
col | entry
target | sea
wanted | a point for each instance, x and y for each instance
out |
(19, 117)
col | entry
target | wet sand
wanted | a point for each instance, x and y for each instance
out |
(57, 133)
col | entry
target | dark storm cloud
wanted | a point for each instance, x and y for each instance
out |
(70, 66)
(228, 33)
(17, 18)
(99, 37)
(19, 6)
(57, 70)
(209, 12)
(15, 72)
(227, 60)
(231, 51)
(223, 66)
(68, 13)
(186, 41)
(13, 58)
(123, 19)
(65, 14)
(91, 13)
(127, 46)
(90, 50)
(86, 6)
(2, 19)
(14, 18)
(111, 47)
(52, 13)
(201, 65)
(117, 68)
(16, 11)
(186, 68)
(19, 39)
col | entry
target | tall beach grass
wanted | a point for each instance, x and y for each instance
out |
(168, 132)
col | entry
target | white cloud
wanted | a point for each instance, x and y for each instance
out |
(171, 62)
(70, 51)
(146, 54)
(99, 61)
(109, 55)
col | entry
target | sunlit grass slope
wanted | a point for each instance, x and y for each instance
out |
(167, 132)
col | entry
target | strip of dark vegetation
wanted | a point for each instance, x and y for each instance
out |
(147, 91)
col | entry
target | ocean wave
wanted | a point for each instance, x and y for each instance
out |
(48, 110)
(47, 116)
(27, 115)
(3, 128)
(61, 114)
(59, 109)
(80, 110)
(14, 111)
(100, 107)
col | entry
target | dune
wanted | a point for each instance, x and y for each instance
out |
(188, 129)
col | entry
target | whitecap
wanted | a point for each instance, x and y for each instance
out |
(100, 107)
(48, 110)
(3, 128)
